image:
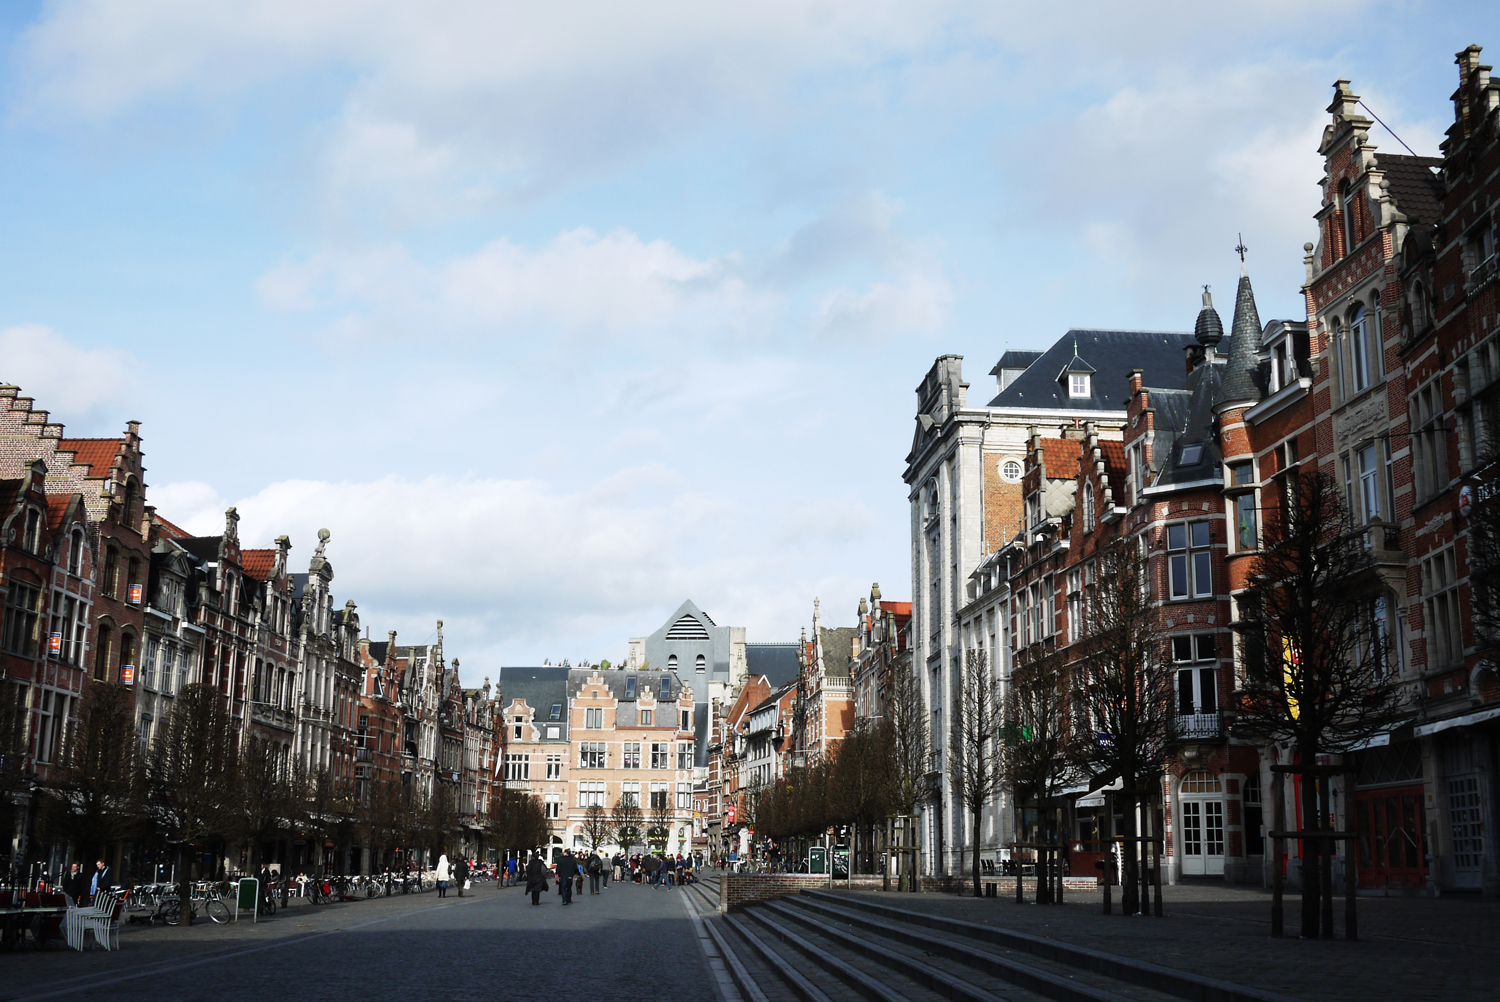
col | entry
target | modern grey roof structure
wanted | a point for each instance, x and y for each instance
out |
(777, 662)
(1111, 353)
(687, 635)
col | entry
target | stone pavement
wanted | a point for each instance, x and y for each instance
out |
(1410, 948)
(628, 942)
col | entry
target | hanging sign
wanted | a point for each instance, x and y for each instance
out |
(54, 644)
(133, 594)
(127, 674)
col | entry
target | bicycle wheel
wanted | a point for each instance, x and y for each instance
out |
(268, 907)
(169, 912)
(217, 910)
(372, 889)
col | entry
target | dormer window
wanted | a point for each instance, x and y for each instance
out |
(1078, 385)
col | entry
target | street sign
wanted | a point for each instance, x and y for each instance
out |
(248, 893)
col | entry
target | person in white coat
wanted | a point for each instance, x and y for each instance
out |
(444, 872)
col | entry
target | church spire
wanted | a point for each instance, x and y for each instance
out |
(1241, 385)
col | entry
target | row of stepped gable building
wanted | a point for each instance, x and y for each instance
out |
(98, 586)
(1389, 384)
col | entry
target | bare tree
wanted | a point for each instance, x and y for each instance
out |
(1122, 692)
(977, 772)
(1483, 520)
(94, 798)
(266, 801)
(626, 819)
(910, 751)
(191, 779)
(596, 826)
(1318, 673)
(518, 820)
(662, 818)
(13, 771)
(1035, 759)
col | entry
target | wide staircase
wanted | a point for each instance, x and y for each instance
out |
(822, 946)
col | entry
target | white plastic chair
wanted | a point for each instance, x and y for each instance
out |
(104, 923)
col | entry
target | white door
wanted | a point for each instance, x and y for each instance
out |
(1202, 825)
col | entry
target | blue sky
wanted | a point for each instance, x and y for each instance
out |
(556, 314)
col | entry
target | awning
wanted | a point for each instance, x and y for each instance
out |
(1096, 797)
(1374, 741)
(1464, 721)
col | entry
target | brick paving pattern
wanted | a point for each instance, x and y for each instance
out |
(627, 943)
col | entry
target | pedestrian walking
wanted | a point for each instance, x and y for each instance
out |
(595, 870)
(461, 875)
(442, 875)
(567, 869)
(102, 879)
(606, 868)
(536, 878)
(76, 885)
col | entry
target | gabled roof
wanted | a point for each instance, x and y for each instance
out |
(777, 662)
(1416, 190)
(1015, 360)
(1114, 466)
(1112, 354)
(258, 563)
(172, 531)
(838, 648)
(1061, 456)
(57, 508)
(98, 454)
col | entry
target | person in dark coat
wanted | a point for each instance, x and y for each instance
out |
(536, 878)
(595, 868)
(567, 869)
(461, 874)
(76, 885)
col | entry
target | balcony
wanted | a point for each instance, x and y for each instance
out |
(362, 755)
(1197, 727)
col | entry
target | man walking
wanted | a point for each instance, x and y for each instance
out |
(567, 869)
(595, 869)
(461, 874)
(76, 885)
(101, 880)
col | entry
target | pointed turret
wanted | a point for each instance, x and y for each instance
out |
(1241, 387)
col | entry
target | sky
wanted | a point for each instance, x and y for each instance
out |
(556, 315)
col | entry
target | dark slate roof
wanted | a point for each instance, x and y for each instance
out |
(1171, 407)
(377, 650)
(1112, 354)
(837, 650)
(615, 681)
(777, 662)
(1015, 360)
(1417, 191)
(1242, 371)
(202, 547)
(540, 687)
(1196, 432)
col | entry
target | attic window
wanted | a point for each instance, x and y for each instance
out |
(1011, 470)
(629, 686)
(702, 663)
(556, 712)
(1192, 455)
(1078, 384)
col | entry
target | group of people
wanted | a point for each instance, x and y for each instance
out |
(81, 887)
(456, 873)
(654, 870)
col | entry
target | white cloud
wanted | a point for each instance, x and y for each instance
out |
(518, 565)
(71, 382)
(581, 283)
(916, 303)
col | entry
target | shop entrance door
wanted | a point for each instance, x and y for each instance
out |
(1392, 849)
(1202, 802)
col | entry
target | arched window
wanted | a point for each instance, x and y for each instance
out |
(33, 541)
(671, 662)
(702, 663)
(103, 640)
(127, 509)
(1088, 507)
(75, 552)
(127, 648)
(1201, 782)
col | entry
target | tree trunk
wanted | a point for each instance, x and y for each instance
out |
(1130, 896)
(978, 887)
(1311, 870)
(184, 891)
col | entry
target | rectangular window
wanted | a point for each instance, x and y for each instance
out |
(517, 767)
(687, 720)
(591, 755)
(660, 755)
(629, 686)
(1245, 535)
(556, 713)
(684, 755)
(554, 732)
(148, 664)
(1369, 483)
(1075, 604)
(553, 803)
(645, 718)
(658, 795)
(632, 755)
(21, 610)
(630, 793)
(591, 792)
(1445, 642)
(554, 767)
(684, 797)
(593, 718)
(1189, 560)
(1197, 678)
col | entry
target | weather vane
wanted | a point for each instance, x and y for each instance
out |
(1240, 248)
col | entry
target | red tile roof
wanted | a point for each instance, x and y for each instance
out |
(1061, 456)
(98, 454)
(899, 608)
(57, 507)
(172, 531)
(258, 563)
